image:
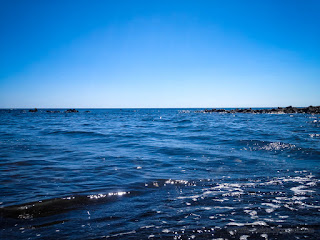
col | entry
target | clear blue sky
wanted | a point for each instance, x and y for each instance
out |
(159, 53)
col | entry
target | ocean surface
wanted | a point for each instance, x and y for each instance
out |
(159, 174)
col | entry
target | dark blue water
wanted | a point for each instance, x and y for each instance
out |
(159, 174)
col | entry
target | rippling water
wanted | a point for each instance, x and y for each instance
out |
(159, 174)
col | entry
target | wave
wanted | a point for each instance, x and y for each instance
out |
(254, 145)
(183, 121)
(278, 147)
(79, 133)
(301, 189)
(55, 206)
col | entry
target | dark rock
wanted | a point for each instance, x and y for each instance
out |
(33, 110)
(279, 110)
(71, 111)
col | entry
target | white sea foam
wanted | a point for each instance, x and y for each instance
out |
(313, 135)
(271, 205)
(275, 146)
(219, 207)
(299, 190)
(258, 223)
(244, 237)
(236, 224)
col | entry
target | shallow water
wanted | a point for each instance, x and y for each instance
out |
(159, 174)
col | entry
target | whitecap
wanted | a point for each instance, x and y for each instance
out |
(244, 237)
(271, 205)
(265, 236)
(218, 207)
(236, 224)
(259, 223)
(252, 213)
(148, 226)
(269, 210)
(299, 191)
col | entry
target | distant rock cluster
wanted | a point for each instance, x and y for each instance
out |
(279, 110)
(57, 111)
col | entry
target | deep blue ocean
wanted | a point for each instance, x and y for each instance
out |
(159, 174)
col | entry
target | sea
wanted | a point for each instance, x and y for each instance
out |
(158, 174)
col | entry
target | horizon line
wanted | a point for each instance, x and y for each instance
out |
(23, 108)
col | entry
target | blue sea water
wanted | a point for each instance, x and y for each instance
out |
(159, 174)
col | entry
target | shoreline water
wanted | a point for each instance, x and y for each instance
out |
(158, 174)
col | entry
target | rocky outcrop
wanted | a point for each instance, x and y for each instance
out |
(279, 110)
(33, 110)
(71, 111)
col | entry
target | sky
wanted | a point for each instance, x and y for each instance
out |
(159, 54)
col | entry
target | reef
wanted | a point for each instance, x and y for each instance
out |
(279, 110)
